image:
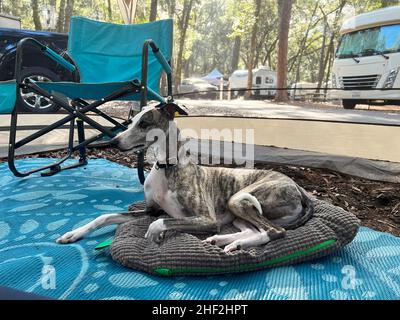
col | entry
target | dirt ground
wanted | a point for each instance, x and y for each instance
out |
(376, 204)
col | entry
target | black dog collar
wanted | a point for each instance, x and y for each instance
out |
(165, 165)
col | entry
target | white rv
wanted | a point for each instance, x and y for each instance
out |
(262, 78)
(368, 58)
(7, 21)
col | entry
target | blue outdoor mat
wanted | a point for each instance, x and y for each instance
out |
(35, 211)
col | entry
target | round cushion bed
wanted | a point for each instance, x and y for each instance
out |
(330, 229)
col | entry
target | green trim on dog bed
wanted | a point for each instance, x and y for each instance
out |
(173, 272)
(330, 229)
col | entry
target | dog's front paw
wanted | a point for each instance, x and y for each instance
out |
(156, 230)
(217, 240)
(70, 237)
(234, 246)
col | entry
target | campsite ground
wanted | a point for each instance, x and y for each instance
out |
(376, 204)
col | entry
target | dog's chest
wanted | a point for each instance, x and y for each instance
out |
(156, 189)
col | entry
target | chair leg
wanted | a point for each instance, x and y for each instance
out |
(57, 167)
(81, 138)
(11, 145)
(82, 150)
(53, 168)
(74, 114)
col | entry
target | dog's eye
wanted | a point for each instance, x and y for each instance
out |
(143, 124)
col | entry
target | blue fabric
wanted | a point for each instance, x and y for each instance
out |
(106, 52)
(8, 90)
(56, 57)
(36, 210)
(92, 91)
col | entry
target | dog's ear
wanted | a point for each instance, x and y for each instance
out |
(172, 109)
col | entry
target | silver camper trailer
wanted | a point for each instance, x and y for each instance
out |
(263, 78)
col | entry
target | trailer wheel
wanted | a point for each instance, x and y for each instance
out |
(349, 104)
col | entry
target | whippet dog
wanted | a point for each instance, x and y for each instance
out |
(262, 204)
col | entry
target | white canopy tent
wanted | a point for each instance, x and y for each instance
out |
(214, 77)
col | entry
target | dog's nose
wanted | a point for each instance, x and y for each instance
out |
(114, 142)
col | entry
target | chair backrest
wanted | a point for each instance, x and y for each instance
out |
(8, 94)
(106, 52)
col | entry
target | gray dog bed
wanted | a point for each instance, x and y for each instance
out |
(330, 229)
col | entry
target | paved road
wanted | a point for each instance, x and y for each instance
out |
(284, 111)
(354, 133)
(359, 140)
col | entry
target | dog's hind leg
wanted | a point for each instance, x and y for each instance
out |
(99, 222)
(196, 225)
(257, 239)
(246, 206)
(246, 230)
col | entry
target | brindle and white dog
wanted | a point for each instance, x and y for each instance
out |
(260, 203)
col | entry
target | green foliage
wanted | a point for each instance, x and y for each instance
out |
(215, 24)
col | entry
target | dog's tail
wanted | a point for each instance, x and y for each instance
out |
(307, 212)
(252, 199)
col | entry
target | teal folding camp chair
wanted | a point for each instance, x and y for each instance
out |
(107, 62)
(7, 96)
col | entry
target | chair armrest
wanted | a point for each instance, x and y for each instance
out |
(45, 50)
(60, 60)
(162, 61)
(160, 57)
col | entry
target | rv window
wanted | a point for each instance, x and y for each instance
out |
(258, 80)
(269, 80)
(373, 41)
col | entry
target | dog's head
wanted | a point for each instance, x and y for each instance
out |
(153, 117)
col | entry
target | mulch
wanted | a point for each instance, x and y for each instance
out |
(376, 204)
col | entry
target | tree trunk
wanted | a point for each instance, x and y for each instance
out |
(109, 9)
(36, 16)
(171, 6)
(326, 62)
(269, 51)
(186, 65)
(329, 59)
(183, 25)
(303, 48)
(153, 10)
(236, 53)
(69, 9)
(61, 17)
(285, 11)
(253, 45)
(322, 65)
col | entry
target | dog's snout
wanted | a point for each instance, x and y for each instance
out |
(114, 142)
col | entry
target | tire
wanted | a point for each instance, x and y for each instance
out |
(195, 96)
(28, 101)
(349, 104)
